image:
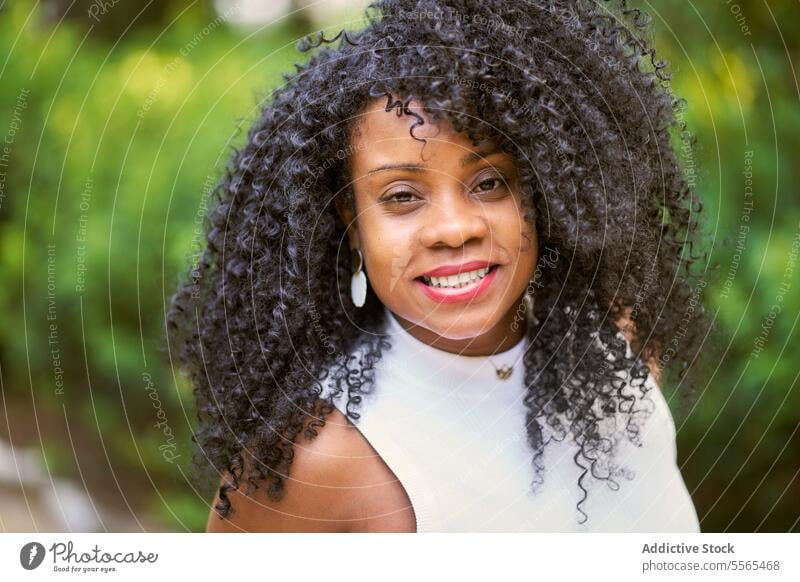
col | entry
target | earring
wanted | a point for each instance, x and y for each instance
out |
(358, 282)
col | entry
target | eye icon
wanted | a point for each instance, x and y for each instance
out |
(31, 555)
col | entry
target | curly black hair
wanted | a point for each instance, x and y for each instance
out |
(574, 92)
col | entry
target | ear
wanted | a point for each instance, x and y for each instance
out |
(348, 218)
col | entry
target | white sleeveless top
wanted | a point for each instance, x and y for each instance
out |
(454, 435)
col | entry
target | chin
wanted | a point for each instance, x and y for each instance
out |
(459, 327)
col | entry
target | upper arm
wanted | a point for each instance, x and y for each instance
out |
(318, 492)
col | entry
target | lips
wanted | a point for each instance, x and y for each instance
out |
(456, 281)
(447, 270)
(469, 291)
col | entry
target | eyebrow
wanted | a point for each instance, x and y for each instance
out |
(473, 157)
(468, 159)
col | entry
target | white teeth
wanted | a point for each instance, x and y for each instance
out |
(456, 281)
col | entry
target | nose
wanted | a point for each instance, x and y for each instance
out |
(453, 220)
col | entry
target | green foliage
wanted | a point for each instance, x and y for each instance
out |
(736, 441)
(111, 164)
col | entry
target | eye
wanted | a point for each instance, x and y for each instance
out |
(398, 197)
(489, 183)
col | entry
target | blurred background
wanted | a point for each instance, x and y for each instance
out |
(117, 119)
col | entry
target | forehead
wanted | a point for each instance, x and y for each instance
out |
(382, 135)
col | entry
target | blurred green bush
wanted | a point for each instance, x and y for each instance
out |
(115, 152)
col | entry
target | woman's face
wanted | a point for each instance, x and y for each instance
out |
(430, 222)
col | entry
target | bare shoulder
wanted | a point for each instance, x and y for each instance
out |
(317, 495)
(332, 479)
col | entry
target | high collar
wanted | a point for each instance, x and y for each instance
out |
(449, 373)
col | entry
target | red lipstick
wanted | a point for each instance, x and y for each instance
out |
(446, 270)
(468, 292)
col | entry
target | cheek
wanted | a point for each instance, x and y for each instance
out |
(529, 247)
(523, 242)
(527, 241)
(524, 261)
(388, 247)
(529, 256)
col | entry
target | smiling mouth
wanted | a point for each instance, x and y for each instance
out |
(465, 279)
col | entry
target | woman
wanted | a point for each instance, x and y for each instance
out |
(443, 279)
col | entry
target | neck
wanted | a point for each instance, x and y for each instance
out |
(503, 336)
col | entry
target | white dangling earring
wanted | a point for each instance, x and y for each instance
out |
(358, 282)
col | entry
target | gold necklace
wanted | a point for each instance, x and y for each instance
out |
(503, 372)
